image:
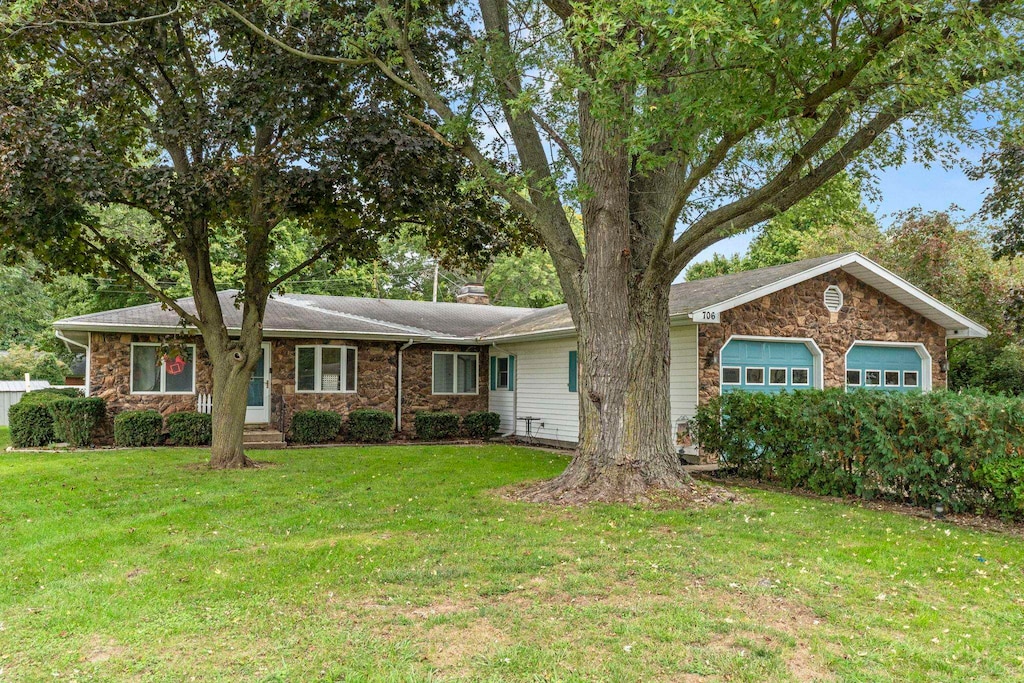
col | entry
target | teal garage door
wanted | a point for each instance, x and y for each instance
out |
(769, 366)
(886, 368)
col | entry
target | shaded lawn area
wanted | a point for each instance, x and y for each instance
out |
(398, 563)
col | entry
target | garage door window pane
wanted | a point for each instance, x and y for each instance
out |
(892, 378)
(145, 369)
(872, 378)
(853, 378)
(777, 376)
(755, 375)
(800, 377)
(909, 378)
(730, 375)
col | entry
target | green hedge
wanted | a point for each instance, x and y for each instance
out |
(74, 419)
(31, 424)
(436, 426)
(190, 428)
(315, 426)
(137, 428)
(966, 450)
(30, 420)
(482, 425)
(371, 426)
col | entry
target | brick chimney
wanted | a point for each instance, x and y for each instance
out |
(473, 294)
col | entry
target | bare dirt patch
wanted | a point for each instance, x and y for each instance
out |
(99, 650)
(451, 648)
(694, 495)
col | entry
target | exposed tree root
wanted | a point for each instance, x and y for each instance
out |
(236, 461)
(622, 485)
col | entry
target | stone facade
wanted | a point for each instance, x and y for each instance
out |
(110, 372)
(417, 389)
(799, 311)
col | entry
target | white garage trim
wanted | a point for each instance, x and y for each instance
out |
(922, 351)
(812, 346)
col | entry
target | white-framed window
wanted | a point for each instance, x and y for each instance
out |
(755, 375)
(853, 378)
(910, 378)
(326, 369)
(778, 376)
(800, 377)
(872, 378)
(892, 378)
(730, 375)
(501, 379)
(154, 373)
(455, 372)
(833, 298)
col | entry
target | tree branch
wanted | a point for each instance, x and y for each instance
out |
(317, 255)
(96, 24)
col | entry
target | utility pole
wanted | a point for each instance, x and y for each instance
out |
(435, 282)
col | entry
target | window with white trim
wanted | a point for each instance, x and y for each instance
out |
(872, 378)
(910, 378)
(155, 372)
(778, 376)
(892, 378)
(833, 298)
(501, 381)
(455, 373)
(730, 375)
(853, 378)
(800, 377)
(755, 376)
(326, 369)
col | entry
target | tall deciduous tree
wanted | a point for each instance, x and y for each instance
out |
(672, 126)
(182, 115)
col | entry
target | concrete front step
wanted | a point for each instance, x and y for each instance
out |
(262, 436)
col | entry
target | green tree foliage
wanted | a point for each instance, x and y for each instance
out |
(26, 311)
(43, 365)
(141, 139)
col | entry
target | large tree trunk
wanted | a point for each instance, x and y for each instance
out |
(230, 391)
(626, 450)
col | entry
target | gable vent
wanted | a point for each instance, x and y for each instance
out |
(833, 298)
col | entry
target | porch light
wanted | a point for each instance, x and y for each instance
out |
(944, 364)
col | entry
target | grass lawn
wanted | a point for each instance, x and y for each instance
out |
(397, 563)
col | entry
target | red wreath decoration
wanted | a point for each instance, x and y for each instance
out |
(176, 366)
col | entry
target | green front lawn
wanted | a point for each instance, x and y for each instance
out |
(397, 563)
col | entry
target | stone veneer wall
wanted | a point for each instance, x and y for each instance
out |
(110, 366)
(417, 376)
(799, 311)
(376, 376)
(110, 370)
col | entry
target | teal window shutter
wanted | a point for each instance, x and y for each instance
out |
(494, 372)
(511, 373)
(573, 372)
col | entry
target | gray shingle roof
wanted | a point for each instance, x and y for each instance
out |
(326, 314)
(686, 297)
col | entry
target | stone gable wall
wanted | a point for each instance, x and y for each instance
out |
(799, 311)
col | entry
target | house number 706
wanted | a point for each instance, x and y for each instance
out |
(709, 315)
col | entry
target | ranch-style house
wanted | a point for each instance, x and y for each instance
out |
(833, 321)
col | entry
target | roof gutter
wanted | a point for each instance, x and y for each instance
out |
(68, 342)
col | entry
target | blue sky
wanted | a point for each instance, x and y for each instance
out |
(901, 188)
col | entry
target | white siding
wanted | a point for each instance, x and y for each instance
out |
(542, 385)
(683, 378)
(542, 389)
(502, 401)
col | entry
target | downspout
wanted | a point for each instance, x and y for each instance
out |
(515, 392)
(398, 386)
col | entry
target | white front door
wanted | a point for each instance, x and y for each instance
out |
(257, 407)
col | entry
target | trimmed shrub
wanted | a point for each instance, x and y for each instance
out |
(371, 426)
(50, 395)
(190, 428)
(315, 426)
(965, 450)
(482, 425)
(74, 419)
(31, 424)
(436, 426)
(137, 428)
